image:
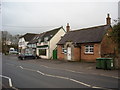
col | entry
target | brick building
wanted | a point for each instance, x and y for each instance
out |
(86, 44)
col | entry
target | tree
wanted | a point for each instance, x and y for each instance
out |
(8, 40)
(116, 35)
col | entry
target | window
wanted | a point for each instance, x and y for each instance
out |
(45, 39)
(89, 49)
(42, 52)
(39, 40)
(63, 49)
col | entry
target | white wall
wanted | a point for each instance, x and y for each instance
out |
(52, 44)
(55, 40)
(22, 43)
(42, 56)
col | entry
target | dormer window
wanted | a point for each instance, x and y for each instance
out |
(39, 40)
(45, 39)
(51, 35)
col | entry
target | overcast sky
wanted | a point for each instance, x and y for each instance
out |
(38, 16)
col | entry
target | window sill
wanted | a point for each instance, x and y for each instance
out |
(62, 53)
(89, 53)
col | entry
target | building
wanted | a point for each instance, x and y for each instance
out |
(23, 41)
(48, 42)
(86, 44)
(32, 45)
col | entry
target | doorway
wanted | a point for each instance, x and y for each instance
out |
(69, 53)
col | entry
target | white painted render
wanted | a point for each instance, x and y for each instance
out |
(52, 44)
(42, 56)
(55, 40)
(22, 43)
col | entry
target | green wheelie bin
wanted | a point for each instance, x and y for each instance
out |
(103, 63)
(98, 63)
(109, 62)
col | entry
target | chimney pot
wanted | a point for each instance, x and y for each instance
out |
(67, 27)
(108, 19)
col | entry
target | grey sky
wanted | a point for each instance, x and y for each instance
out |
(23, 17)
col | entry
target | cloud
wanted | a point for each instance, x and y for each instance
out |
(21, 17)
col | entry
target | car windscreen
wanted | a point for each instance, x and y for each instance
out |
(28, 54)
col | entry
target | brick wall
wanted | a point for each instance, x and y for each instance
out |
(90, 57)
(107, 45)
(60, 55)
(76, 54)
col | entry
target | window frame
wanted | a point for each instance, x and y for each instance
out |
(45, 51)
(46, 39)
(89, 49)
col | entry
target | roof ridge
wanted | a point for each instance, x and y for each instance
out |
(54, 29)
(88, 28)
(30, 33)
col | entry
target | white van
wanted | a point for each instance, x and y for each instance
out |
(12, 51)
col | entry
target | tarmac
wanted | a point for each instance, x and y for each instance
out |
(78, 67)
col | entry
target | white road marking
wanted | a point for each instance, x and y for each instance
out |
(80, 82)
(79, 72)
(29, 69)
(45, 66)
(40, 72)
(56, 76)
(21, 67)
(9, 79)
(76, 81)
(102, 88)
(60, 69)
(61, 77)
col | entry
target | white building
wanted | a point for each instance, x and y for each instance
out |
(23, 41)
(48, 42)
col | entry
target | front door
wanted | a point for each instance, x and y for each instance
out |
(69, 53)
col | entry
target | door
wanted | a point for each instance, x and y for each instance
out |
(54, 54)
(69, 53)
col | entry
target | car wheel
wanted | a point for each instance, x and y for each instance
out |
(23, 58)
(36, 57)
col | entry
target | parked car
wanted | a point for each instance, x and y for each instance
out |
(27, 56)
(13, 51)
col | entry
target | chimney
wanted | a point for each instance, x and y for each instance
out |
(67, 27)
(108, 19)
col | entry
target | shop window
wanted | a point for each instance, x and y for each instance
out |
(42, 52)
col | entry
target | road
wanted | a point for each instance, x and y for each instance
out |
(26, 74)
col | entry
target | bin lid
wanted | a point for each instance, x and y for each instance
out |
(108, 58)
(103, 58)
(100, 58)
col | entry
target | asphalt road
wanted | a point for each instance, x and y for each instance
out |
(25, 74)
